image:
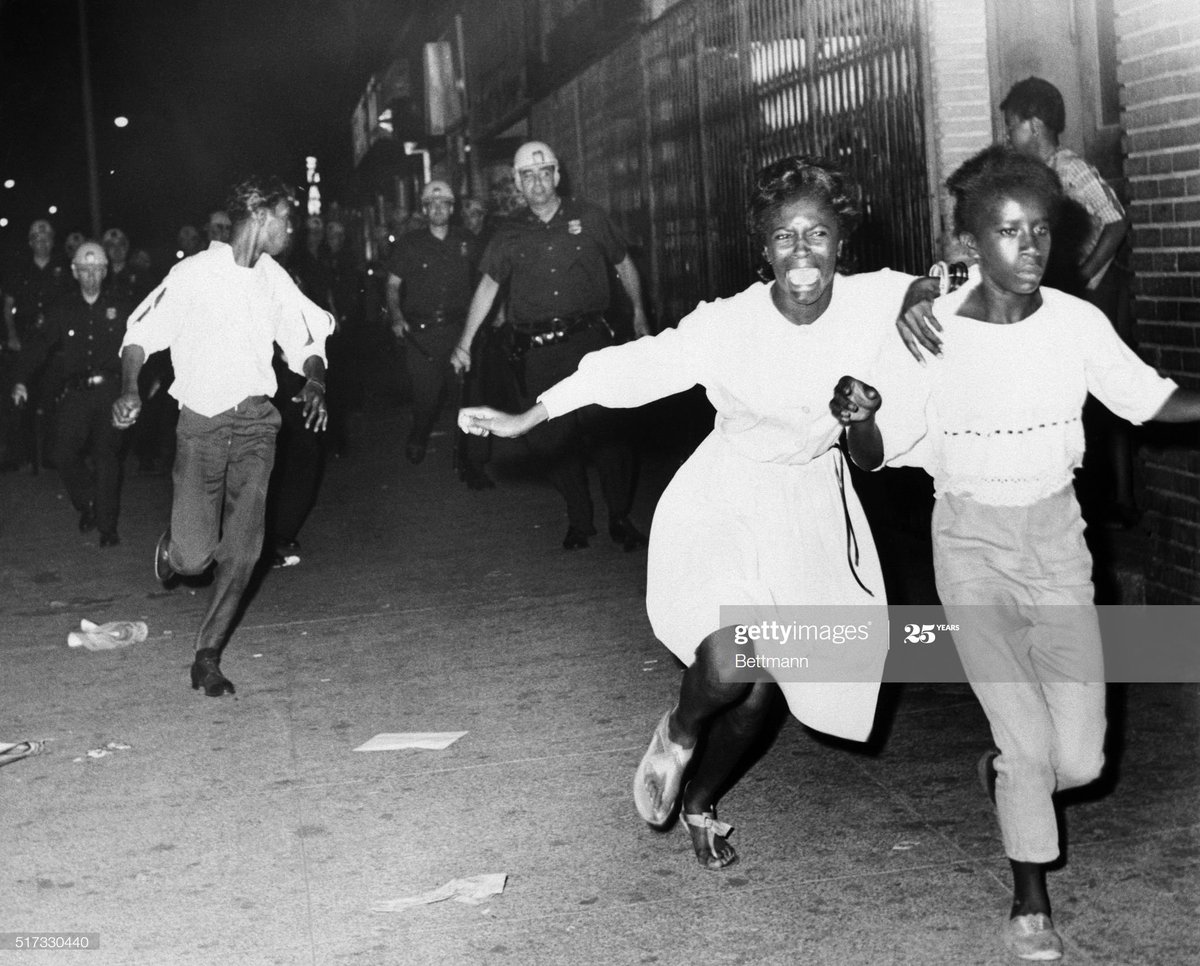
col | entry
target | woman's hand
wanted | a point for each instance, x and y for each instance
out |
(485, 421)
(917, 326)
(854, 401)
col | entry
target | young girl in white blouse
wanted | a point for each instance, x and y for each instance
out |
(997, 424)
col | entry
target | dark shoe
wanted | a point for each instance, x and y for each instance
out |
(87, 519)
(477, 479)
(110, 539)
(626, 534)
(576, 539)
(987, 773)
(414, 452)
(163, 571)
(206, 673)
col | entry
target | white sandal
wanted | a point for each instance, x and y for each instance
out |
(715, 860)
(662, 767)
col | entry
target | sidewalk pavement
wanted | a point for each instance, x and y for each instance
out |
(248, 831)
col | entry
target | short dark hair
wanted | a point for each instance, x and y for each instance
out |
(800, 176)
(1034, 97)
(998, 172)
(255, 192)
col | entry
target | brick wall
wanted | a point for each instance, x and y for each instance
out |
(1159, 70)
(959, 114)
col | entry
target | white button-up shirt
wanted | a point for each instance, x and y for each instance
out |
(220, 321)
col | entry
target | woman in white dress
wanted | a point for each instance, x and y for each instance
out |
(761, 514)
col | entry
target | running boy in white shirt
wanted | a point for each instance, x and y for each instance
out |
(997, 424)
(220, 312)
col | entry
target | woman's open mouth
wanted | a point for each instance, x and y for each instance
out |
(803, 277)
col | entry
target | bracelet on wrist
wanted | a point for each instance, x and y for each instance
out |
(950, 276)
(316, 382)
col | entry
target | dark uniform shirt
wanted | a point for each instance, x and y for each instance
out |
(312, 275)
(347, 284)
(128, 283)
(559, 268)
(438, 273)
(89, 335)
(33, 290)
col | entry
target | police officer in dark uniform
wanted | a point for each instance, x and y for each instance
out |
(124, 278)
(430, 277)
(29, 291)
(88, 325)
(555, 257)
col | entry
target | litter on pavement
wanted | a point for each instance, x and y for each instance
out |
(423, 740)
(473, 890)
(105, 637)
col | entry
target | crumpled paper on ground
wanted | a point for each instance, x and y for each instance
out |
(11, 751)
(473, 890)
(105, 637)
(423, 740)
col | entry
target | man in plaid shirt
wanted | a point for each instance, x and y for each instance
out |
(1034, 116)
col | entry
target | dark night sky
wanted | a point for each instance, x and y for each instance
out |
(214, 89)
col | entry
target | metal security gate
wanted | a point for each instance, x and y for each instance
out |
(726, 86)
(842, 78)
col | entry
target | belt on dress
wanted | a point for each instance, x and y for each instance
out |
(852, 556)
(92, 378)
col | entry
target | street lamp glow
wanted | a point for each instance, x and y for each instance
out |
(121, 121)
(53, 209)
(3, 222)
(10, 183)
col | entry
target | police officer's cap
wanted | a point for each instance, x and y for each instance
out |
(114, 236)
(436, 190)
(533, 154)
(89, 254)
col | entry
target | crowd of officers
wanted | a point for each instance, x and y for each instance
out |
(483, 309)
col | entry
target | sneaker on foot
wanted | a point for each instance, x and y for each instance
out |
(1033, 937)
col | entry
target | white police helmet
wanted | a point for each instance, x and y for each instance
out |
(90, 254)
(533, 154)
(436, 191)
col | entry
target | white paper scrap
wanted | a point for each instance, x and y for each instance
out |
(473, 890)
(425, 740)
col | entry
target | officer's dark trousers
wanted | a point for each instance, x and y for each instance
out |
(85, 429)
(592, 434)
(432, 378)
(18, 439)
(491, 382)
(222, 469)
